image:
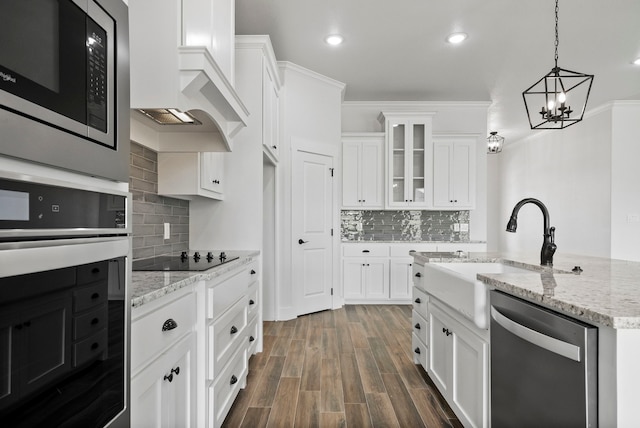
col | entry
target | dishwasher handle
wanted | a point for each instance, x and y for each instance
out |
(549, 343)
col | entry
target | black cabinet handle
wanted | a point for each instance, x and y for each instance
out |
(169, 324)
(95, 270)
(233, 380)
(366, 251)
(417, 326)
(95, 321)
(169, 377)
(417, 350)
(176, 370)
(253, 272)
(251, 302)
(94, 346)
(446, 331)
(418, 300)
(418, 274)
(95, 296)
(251, 338)
(233, 330)
(275, 147)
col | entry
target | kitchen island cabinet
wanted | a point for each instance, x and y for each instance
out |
(603, 294)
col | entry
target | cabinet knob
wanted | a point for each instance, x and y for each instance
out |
(417, 350)
(251, 302)
(176, 371)
(417, 326)
(418, 274)
(418, 300)
(95, 296)
(169, 324)
(274, 147)
(95, 321)
(233, 380)
(251, 338)
(233, 330)
(95, 270)
(253, 272)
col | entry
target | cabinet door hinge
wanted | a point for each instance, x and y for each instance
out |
(331, 169)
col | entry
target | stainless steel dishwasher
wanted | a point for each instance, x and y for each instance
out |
(544, 367)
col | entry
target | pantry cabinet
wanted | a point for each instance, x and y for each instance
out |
(409, 159)
(191, 175)
(362, 170)
(454, 172)
(271, 111)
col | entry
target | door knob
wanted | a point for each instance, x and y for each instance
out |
(300, 241)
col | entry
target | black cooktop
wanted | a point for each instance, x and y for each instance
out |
(194, 262)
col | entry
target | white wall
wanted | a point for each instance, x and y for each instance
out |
(625, 179)
(568, 170)
(310, 111)
(451, 117)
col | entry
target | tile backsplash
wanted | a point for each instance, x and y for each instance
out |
(405, 225)
(151, 211)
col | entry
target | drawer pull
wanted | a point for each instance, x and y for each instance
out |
(417, 326)
(366, 251)
(94, 296)
(253, 272)
(417, 350)
(169, 324)
(94, 346)
(251, 338)
(234, 329)
(446, 331)
(169, 377)
(251, 302)
(233, 380)
(418, 300)
(419, 275)
(95, 321)
(176, 370)
(95, 270)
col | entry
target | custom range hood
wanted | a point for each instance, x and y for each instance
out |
(182, 64)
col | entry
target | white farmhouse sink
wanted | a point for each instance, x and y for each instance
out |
(456, 285)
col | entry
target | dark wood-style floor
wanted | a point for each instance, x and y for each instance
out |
(351, 367)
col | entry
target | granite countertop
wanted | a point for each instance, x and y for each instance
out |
(148, 286)
(606, 292)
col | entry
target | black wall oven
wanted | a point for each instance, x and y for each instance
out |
(64, 84)
(64, 304)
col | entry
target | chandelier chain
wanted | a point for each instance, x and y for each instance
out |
(557, 42)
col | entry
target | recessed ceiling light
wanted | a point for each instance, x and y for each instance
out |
(637, 61)
(334, 39)
(456, 38)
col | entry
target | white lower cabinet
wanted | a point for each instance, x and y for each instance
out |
(163, 362)
(190, 350)
(458, 364)
(366, 279)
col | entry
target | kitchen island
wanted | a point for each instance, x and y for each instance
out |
(598, 291)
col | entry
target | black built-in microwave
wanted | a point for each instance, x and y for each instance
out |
(64, 84)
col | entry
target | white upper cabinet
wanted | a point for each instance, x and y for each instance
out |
(191, 175)
(409, 159)
(454, 172)
(362, 170)
(271, 112)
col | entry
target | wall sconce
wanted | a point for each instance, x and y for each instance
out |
(494, 143)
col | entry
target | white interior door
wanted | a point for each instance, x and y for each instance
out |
(312, 218)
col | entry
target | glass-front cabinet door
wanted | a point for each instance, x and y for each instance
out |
(409, 159)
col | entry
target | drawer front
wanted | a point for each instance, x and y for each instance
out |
(252, 336)
(90, 296)
(93, 272)
(222, 296)
(148, 339)
(420, 300)
(225, 336)
(252, 302)
(417, 273)
(420, 327)
(89, 323)
(226, 388)
(365, 250)
(420, 352)
(90, 348)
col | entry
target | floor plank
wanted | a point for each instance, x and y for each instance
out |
(340, 368)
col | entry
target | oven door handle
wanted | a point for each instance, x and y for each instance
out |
(549, 343)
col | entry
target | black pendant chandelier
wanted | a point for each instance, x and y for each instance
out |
(561, 95)
(494, 143)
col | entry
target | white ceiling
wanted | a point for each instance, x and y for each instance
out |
(395, 50)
